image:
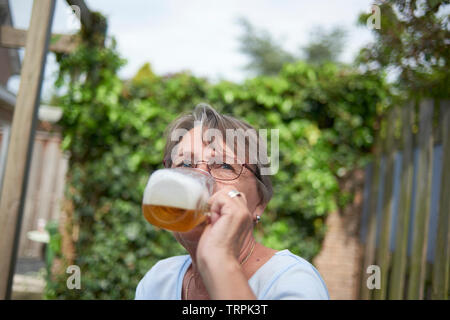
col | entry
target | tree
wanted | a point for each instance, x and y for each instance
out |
(267, 57)
(324, 46)
(413, 42)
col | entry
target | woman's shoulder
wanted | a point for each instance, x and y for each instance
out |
(286, 259)
(170, 262)
(161, 278)
(289, 276)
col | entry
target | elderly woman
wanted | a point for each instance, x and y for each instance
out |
(224, 260)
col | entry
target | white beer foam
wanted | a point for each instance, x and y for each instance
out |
(174, 189)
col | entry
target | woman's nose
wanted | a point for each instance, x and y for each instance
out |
(203, 166)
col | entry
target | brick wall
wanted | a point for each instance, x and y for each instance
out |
(339, 259)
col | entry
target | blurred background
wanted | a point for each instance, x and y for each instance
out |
(351, 87)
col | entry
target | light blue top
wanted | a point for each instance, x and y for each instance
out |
(284, 276)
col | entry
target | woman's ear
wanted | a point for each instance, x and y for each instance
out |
(259, 209)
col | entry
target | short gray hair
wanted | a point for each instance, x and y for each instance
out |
(209, 118)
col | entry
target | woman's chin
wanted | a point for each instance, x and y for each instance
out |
(194, 234)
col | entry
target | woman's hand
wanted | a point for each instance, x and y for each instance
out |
(220, 245)
(231, 223)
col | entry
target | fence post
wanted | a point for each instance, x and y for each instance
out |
(370, 247)
(397, 281)
(440, 278)
(422, 204)
(383, 256)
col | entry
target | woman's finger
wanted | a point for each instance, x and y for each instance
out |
(214, 217)
(223, 194)
(216, 205)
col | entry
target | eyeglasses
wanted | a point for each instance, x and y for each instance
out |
(219, 171)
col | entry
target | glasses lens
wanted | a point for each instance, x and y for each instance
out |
(225, 171)
(182, 163)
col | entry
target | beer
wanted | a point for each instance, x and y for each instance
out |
(175, 199)
(171, 218)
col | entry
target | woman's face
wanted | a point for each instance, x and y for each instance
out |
(193, 148)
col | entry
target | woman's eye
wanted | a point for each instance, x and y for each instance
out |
(226, 166)
(184, 165)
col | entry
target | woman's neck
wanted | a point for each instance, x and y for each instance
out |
(246, 252)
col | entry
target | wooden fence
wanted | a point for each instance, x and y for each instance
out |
(45, 186)
(405, 219)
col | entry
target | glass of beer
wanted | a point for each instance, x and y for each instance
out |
(176, 198)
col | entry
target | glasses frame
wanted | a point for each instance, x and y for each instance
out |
(256, 174)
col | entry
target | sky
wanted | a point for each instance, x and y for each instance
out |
(201, 35)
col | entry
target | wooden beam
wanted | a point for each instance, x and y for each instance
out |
(16, 38)
(21, 140)
(441, 266)
(397, 281)
(417, 273)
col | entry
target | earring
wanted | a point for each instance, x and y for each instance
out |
(258, 218)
